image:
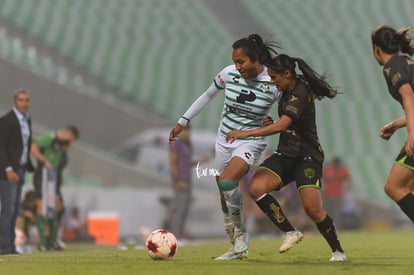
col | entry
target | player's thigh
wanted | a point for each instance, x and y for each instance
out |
(308, 174)
(235, 169)
(263, 181)
(399, 180)
(312, 203)
(243, 157)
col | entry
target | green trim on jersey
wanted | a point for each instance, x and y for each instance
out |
(234, 74)
(241, 123)
(246, 86)
(257, 97)
(227, 126)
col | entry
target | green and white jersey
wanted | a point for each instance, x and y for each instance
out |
(247, 101)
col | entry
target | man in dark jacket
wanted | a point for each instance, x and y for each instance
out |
(15, 141)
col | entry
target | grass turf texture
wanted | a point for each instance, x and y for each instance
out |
(368, 253)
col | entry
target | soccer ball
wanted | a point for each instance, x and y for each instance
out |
(161, 244)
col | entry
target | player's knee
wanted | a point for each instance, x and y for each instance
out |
(256, 189)
(388, 189)
(392, 190)
(315, 212)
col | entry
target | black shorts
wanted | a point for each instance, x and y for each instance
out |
(306, 172)
(404, 160)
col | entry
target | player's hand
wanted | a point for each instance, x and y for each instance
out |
(174, 133)
(235, 134)
(48, 165)
(409, 146)
(12, 177)
(267, 120)
(387, 131)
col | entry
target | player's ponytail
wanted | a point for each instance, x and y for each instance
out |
(316, 82)
(392, 41)
(256, 48)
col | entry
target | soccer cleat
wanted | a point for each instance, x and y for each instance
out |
(338, 256)
(289, 239)
(240, 242)
(230, 255)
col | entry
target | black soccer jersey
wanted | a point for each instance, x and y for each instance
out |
(301, 139)
(398, 71)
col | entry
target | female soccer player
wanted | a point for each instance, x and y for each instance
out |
(299, 155)
(399, 75)
(248, 98)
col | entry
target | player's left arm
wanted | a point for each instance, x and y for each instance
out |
(407, 95)
(276, 127)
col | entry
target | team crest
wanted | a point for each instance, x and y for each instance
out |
(264, 87)
(309, 173)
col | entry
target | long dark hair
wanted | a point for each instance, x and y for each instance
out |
(256, 48)
(316, 82)
(392, 41)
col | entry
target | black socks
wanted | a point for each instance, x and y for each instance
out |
(407, 205)
(328, 231)
(272, 209)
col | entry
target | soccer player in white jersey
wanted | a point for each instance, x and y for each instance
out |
(249, 96)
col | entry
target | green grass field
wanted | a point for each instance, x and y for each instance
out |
(390, 252)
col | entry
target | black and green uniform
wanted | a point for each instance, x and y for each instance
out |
(299, 155)
(397, 71)
(52, 150)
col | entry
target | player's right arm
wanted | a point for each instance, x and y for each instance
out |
(388, 129)
(36, 152)
(198, 105)
(407, 94)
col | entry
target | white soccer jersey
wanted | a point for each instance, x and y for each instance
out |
(246, 102)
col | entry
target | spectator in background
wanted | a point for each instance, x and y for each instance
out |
(25, 221)
(73, 226)
(15, 142)
(50, 151)
(336, 184)
(181, 165)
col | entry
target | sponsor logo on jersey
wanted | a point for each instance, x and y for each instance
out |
(387, 71)
(395, 78)
(293, 98)
(246, 96)
(220, 79)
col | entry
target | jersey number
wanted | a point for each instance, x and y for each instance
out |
(246, 96)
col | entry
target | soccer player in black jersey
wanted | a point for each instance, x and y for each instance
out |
(299, 155)
(398, 70)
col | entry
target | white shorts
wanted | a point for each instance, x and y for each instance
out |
(248, 150)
